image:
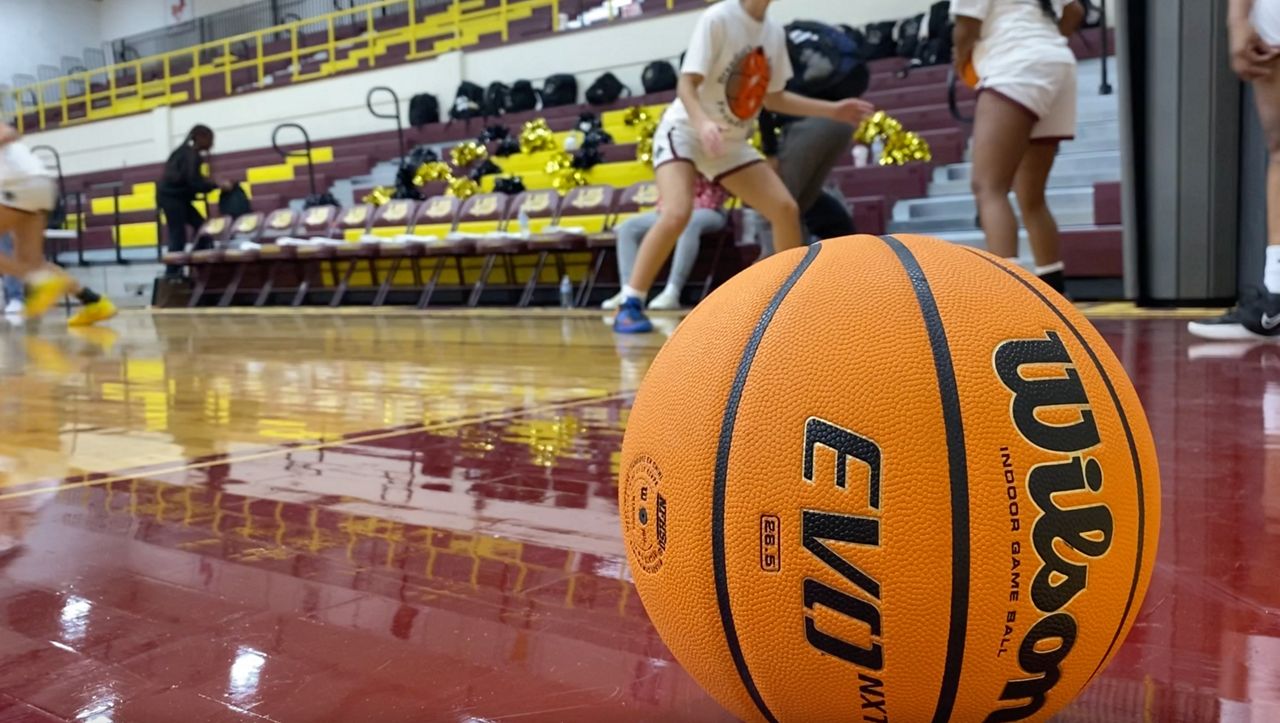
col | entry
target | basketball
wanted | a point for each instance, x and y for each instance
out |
(889, 479)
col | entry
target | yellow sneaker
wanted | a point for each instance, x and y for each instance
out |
(45, 291)
(91, 314)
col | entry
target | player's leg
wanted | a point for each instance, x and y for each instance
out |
(759, 187)
(675, 188)
(1256, 315)
(1001, 135)
(629, 234)
(703, 221)
(1029, 185)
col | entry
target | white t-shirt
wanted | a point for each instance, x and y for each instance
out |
(1266, 20)
(1018, 31)
(741, 60)
(17, 161)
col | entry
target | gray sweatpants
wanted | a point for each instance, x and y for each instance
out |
(631, 232)
(810, 148)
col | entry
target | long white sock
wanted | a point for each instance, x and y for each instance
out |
(1049, 268)
(633, 293)
(1271, 272)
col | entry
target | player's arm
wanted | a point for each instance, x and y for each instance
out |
(851, 111)
(1072, 19)
(687, 91)
(8, 134)
(969, 15)
(1251, 56)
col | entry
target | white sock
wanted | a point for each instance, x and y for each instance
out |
(1271, 270)
(1050, 268)
(633, 293)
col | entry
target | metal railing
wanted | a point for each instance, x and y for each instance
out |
(249, 59)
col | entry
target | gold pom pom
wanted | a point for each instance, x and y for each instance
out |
(900, 145)
(467, 153)
(379, 196)
(429, 172)
(537, 137)
(568, 179)
(558, 162)
(463, 188)
(644, 150)
(636, 115)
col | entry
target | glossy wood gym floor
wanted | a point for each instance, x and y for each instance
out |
(408, 517)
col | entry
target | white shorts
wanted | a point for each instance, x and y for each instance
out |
(1045, 90)
(33, 194)
(676, 141)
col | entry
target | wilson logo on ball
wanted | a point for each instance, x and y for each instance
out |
(1051, 410)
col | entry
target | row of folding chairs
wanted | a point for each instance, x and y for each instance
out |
(327, 253)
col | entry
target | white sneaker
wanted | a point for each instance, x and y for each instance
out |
(15, 308)
(668, 300)
(614, 302)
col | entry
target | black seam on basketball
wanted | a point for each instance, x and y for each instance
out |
(1133, 453)
(721, 479)
(958, 467)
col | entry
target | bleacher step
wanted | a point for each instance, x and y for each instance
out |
(962, 206)
(1078, 163)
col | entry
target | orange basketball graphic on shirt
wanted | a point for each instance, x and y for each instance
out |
(748, 84)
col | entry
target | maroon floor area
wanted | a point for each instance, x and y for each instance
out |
(477, 575)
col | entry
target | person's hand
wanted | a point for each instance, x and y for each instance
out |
(8, 134)
(712, 138)
(1251, 56)
(852, 111)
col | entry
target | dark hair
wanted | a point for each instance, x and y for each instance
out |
(1047, 6)
(199, 130)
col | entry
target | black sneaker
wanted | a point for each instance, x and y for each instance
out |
(1256, 316)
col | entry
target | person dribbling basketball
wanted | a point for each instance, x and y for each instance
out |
(737, 64)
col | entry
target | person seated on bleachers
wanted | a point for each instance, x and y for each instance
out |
(708, 217)
(28, 192)
(183, 181)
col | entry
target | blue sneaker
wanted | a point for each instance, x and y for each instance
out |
(631, 318)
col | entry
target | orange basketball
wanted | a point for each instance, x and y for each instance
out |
(889, 479)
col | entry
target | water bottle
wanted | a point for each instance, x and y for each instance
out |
(523, 220)
(566, 293)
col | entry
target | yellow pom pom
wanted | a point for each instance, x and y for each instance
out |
(537, 137)
(636, 115)
(568, 179)
(467, 153)
(463, 188)
(558, 162)
(429, 172)
(900, 145)
(379, 196)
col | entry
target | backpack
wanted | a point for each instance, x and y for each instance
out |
(522, 97)
(908, 35)
(827, 62)
(496, 99)
(424, 109)
(423, 154)
(937, 45)
(659, 77)
(559, 90)
(606, 90)
(234, 202)
(469, 103)
(880, 40)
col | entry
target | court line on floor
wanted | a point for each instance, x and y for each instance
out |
(353, 439)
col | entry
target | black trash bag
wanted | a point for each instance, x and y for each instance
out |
(587, 158)
(508, 146)
(588, 121)
(486, 168)
(423, 154)
(406, 189)
(494, 133)
(596, 137)
(510, 185)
